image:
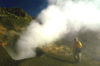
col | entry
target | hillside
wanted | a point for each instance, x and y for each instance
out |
(14, 16)
(12, 21)
(14, 11)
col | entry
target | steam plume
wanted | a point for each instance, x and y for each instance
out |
(58, 19)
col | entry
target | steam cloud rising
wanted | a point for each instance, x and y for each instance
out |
(59, 18)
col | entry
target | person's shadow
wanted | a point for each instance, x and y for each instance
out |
(62, 60)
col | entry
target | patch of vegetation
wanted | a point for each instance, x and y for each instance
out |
(11, 17)
(12, 22)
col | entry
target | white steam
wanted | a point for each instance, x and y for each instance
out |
(58, 19)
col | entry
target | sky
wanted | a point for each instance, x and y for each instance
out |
(32, 7)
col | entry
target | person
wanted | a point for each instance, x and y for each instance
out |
(77, 47)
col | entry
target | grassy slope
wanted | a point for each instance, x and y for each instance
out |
(11, 25)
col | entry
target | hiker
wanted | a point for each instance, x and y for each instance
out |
(77, 47)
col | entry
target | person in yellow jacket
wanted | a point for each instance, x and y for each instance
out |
(77, 47)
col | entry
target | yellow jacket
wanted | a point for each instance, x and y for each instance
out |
(78, 45)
